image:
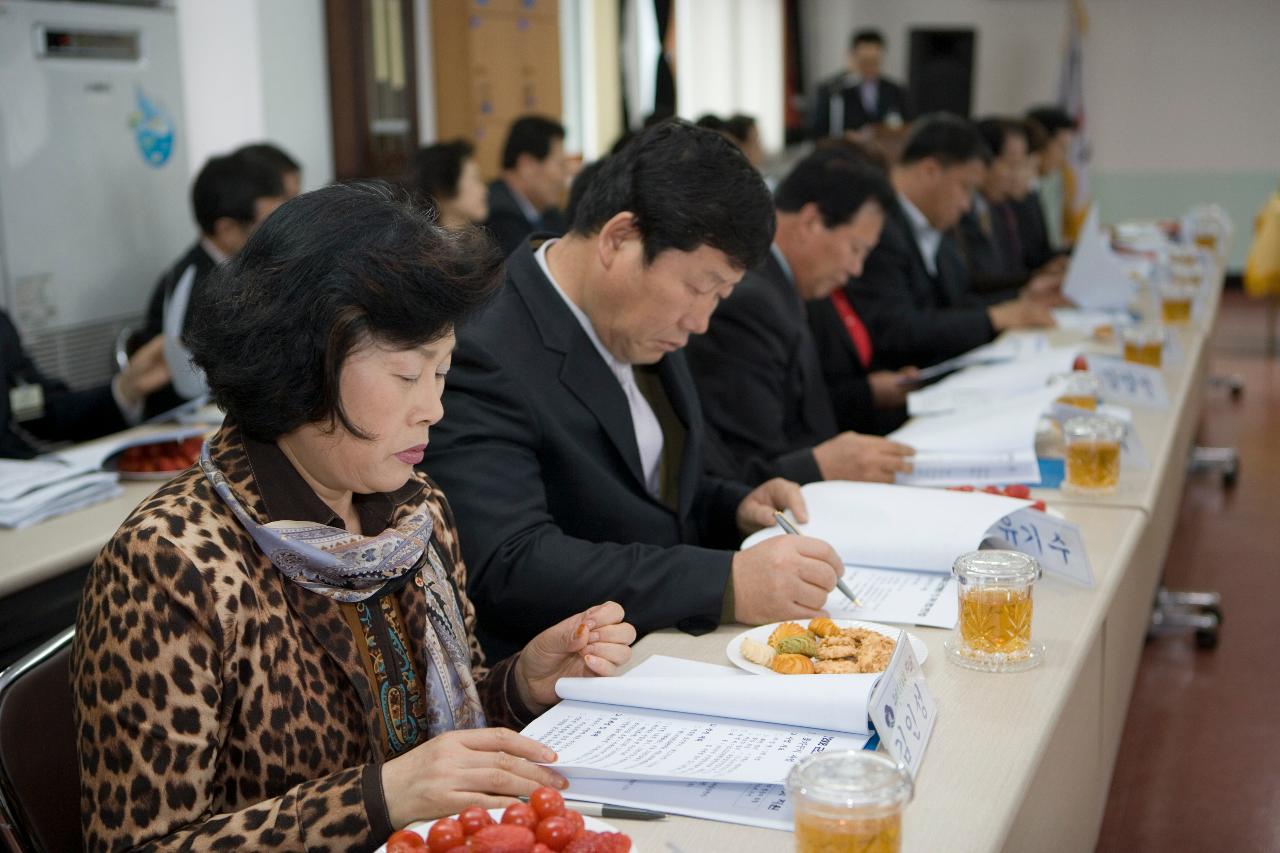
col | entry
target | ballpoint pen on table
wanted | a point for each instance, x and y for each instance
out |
(606, 811)
(840, 584)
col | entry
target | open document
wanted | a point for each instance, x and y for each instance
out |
(1096, 278)
(691, 728)
(1010, 346)
(32, 490)
(989, 444)
(753, 804)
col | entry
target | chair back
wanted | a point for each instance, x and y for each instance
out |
(39, 769)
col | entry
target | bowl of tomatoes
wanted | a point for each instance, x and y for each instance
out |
(542, 825)
(156, 460)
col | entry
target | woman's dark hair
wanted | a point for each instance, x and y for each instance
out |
(947, 138)
(327, 273)
(837, 182)
(435, 170)
(687, 187)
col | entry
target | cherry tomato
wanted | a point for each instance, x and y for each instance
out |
(503, 838)
(1039, 505)
(616, 842)
(539, 847)
(556, 831)
(520, 814)
(585, 841)
(444, 835)
(991, 490)
(1081, 363)
(1017, 491)
(964, 488)
(547, 802)
(404, 841)
(474, 819)
(576, 819)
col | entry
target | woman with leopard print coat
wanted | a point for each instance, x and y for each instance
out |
(276, 649)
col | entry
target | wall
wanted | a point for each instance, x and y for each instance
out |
(1180, 94)
(256, 70)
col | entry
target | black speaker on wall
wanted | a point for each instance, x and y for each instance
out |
(942, 70)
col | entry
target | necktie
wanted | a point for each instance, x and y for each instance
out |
(854, 326)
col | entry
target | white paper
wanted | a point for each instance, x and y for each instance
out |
(899, 597)
(989, 385)
(59, 498)
(896, 527)
(1078, 320)
(611, 741)
(1008, 347)
(1129, 384)
(1095, 277)
(764, 806)
(18, 477)
(931, 468)
(903, 708)
(798, 700)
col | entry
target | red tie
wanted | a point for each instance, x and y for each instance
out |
(853, 325)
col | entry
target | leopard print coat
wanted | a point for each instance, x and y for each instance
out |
(220, 706)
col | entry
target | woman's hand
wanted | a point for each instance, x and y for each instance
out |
(471, 767)
(594, 642)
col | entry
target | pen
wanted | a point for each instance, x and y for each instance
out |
(840, 584)
(601, 810)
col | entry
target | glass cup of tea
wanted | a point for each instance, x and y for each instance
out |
(849, 801)
(1144, 345)
(1176, 300)
(1080, 389)
(993, 633)
(1092, 464)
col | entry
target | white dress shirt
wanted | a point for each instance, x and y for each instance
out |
(645, 423)
(927, 237)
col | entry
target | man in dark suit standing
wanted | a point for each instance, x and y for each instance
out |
(534, 176)
(35, 408)
(861, 95)
(914, 295)
(574, 450)
(757, 367)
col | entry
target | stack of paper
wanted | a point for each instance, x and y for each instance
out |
(698, 739)
(33, 490)
(985, 385)
(1008, 347)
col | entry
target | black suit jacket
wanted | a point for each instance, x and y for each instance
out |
(846, 376)
(891, 98)
(1037, 248)
(68, 415)
(195, 256)
(538, 456)
(915, 318)
(508, 224)
(993, 259)
(760, 380)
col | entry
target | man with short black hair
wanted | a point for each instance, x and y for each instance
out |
(861, 95)
(231, 195)
(280, 160)
(535, 173)
(1045, 221)
(574, 450)
(759, 372)
(914, 295)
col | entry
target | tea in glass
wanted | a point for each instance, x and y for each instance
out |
(1143, 345)
(849, 801)
(1079, 389)
(1093, 454)
(1176, 299)
(993, 632)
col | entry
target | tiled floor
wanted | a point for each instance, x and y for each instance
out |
(1199, 767)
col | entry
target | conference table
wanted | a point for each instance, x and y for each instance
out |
(1016, 762)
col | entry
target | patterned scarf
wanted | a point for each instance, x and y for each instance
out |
(348, 568)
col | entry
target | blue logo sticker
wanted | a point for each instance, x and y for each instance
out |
(153, 130)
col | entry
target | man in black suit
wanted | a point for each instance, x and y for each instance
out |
(861, 95)
(989, 235)
(35, 408)
(1049, 133)
(914, 295)
(757, 367)
(534, 176)
(231, 195)
(574, 450)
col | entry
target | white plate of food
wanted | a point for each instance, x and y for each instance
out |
(837, 646)
(423, 828)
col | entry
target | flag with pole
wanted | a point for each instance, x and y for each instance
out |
(1076, 193)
